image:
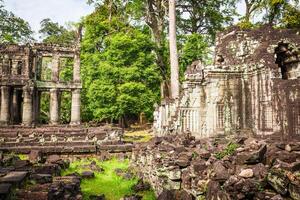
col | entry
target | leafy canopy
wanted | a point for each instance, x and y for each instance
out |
(13, 29)
(52, 32)
(120, 77)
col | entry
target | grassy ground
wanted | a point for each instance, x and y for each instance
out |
(108, 183)
(137, 136)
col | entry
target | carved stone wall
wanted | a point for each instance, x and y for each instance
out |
(253, 86)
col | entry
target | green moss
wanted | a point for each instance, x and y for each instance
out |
(195, 155)
(229, 150)
(23, 156)
(108, 183)
(137, 136)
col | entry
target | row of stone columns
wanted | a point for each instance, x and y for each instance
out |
(28, 110)
(5, 109)
(31, 97)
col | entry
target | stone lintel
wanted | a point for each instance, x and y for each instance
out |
(58, 85)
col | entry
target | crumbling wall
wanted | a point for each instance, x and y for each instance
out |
(247, 89)
(21, 83)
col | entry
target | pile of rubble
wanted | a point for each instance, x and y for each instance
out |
(181, 167)
(36, 178)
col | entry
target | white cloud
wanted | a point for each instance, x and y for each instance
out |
(61, 11)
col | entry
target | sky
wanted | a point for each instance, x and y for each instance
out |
(61, 11)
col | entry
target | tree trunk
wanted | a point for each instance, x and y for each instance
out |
(247, 15)
(155, 15)
(173, 50)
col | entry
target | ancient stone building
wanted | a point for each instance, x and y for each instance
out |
(21, 83)
(253, 86)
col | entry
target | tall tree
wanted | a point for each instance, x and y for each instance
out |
(275, 12)
(153, 13)
(120, 77)
(251, 7)
(204, 17)
(52, 32)
(291, 17)
(173, 50)
(12, 28)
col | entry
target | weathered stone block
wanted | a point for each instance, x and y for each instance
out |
(278, 180)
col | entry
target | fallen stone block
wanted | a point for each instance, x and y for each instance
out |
(15, 178)
(41, 178)
(278, 180)
(87, 174)
(252, 157)
(5, 190)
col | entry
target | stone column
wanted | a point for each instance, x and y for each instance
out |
(54, 107)
(27, 106)
(5, 115)
(55, 68)
(75, 110)
(16, 106)
(36, 103)
(76, 67)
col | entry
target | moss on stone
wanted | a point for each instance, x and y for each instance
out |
(107, 182)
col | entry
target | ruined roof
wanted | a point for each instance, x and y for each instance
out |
(237, 46)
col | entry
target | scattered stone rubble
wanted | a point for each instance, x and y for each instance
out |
(24, 179)
(224, 167)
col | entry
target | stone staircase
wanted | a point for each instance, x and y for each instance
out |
(61, 140)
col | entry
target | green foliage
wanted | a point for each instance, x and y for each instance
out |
(204, 16)
(120, 77)
(108, 183)
(245, 24)
(229, 150)
(291, 17)
(195, 47)
(44, 108)
(276, 11)
(54, 33)
(13, 29)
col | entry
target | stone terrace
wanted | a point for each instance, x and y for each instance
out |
(62, 140)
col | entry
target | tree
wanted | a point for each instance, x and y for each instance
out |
(119, 73)
(291, 17)
(276, 12)
(13, 29)
(204, 17)
(195, 47)
(153, 13)
(173, 50)
(251, 7)
(52, 32)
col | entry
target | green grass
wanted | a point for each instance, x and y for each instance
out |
(228, 151)
(108, 183)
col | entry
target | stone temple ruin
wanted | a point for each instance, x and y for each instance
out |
(252, 86)
(25, 76)
(21, 83)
